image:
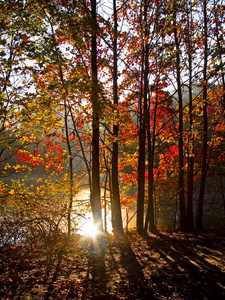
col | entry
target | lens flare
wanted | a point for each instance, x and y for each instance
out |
(89, 229)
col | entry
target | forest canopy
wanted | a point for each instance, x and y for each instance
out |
(123, 98)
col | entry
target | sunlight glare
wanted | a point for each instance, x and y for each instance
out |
(89, 229)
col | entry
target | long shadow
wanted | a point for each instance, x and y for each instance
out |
(55, 275)
(184, 270)
(133, 283)
(115, 274)
(160, 266)
(96, 280)
(40, 273)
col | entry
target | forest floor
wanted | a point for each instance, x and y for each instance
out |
(168, 265)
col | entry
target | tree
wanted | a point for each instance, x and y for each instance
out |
(180, 133)
(115, 204)
(218, 11)
(95, 196)
(142, 125)
(151, 122)
(190, 220)
(199, 219)
(126, 125)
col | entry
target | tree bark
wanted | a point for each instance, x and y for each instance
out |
(199, 220)
(115, 205)
(190, 220)
(70, 170)
(150, 216)
(180, 137)
(141, 154)
(141, 173)
(95, 196)
(220, 52)
(150, 219)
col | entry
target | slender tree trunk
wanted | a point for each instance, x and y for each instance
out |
(70, 170)
(95, 196)
(220, 53)
(222, 193)
(141, 175)
(181, 155)
(105, 202)
(115, 205)
(67, 107)
(199, 220)
(150, 216)
(147, 122)
(190, 220)
(141, 154)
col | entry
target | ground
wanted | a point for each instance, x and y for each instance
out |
(166, 265)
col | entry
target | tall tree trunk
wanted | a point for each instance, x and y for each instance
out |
(67, 107)
(190, 220)
(150, 218)
(141, 172)
(222, 193)
(95, 196)
(115, 205)
(180, 135)
(105, 202)
(199, 221)
(70, 170)
(220, 51)
(141, 154)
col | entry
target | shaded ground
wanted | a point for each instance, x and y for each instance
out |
(169, 265)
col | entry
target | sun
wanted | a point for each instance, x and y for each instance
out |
(89, 229)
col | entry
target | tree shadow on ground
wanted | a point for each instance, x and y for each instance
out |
(54, 276)
(131, 282)
(187, 266)
(115, 274)
(95, 281)
(167, 265)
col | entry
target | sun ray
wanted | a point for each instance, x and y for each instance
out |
(88, 228)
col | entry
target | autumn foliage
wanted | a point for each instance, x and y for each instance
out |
(47, 109)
